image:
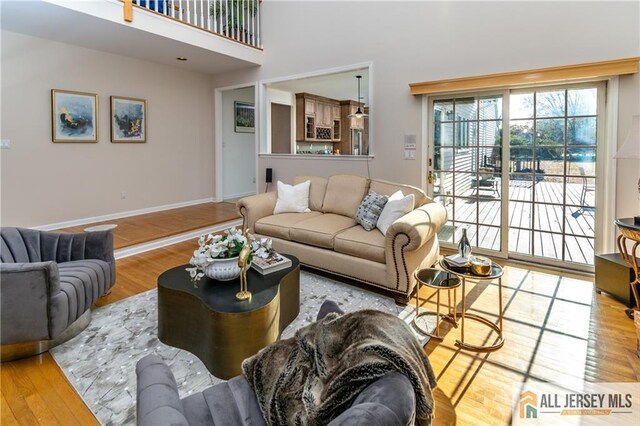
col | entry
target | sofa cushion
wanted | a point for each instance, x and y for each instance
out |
(344, 194)
(370, 209)
(292, 198)
(397, 206)
(320, 231)
(84, 282)
(277, 225)
(316, 191)
(361, 243)
(387, 188)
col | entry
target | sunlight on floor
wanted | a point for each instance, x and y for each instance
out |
(547, 324)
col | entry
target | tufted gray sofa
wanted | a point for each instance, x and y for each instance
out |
(48, 283)
(389, 401)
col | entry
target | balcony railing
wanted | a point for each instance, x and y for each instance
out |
(238, 20)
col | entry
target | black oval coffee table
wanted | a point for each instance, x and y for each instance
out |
(209, 322)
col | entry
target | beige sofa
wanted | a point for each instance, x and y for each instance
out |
(328, 237)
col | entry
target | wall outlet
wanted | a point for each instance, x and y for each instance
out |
(123, 195)
(5, 143)
(254, 179)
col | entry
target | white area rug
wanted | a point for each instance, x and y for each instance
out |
(100, 362)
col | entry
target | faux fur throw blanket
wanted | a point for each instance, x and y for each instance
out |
(315, 376)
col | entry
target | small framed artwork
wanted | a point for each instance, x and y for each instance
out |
(128, 120)
(245, 117)
(74, 116)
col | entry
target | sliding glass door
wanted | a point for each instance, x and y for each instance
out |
(552, 164)
(531, 196)
(467, 167)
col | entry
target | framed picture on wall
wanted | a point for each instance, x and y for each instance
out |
(245, 117)
(128, 120)
(74, 116)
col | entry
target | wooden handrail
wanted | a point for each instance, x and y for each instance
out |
(128, 10)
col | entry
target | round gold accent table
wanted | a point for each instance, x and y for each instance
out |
(222, 331)
(496, 273)
(438, 280)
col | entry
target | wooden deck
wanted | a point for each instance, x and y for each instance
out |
(541, 224)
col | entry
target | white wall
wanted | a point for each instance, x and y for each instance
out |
(421, 41)
(627, 170)
(239, 150)
(44, 182)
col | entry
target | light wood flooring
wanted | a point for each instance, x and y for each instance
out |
(557, 329)
(154, 226)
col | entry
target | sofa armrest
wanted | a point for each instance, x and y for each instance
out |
(158, 401)
(412, 242)
(99, 245)
(256, 207)
(419, 225)
(26, 293)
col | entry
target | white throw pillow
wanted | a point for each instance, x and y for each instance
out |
(293, 199)
(397, 206)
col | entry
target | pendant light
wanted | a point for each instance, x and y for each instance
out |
(359, 113)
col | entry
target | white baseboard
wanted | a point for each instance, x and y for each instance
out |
(120, 215)
(239, 195)
(174, 239)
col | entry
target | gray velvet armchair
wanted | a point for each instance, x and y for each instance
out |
(388, 401)
(48, 283)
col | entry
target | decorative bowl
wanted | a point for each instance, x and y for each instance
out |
(223, 269)
(480, 265)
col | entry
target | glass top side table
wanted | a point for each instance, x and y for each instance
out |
(496, 273)
(439, 280)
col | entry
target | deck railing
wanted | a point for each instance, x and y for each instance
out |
(236, 19)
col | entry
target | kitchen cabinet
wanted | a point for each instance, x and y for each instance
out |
(317, 118)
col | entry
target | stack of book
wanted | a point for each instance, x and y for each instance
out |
(457, 262)
(275, 262)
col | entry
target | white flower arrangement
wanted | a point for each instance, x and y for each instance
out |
(226, 246)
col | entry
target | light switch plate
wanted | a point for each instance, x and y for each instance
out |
(5, 143)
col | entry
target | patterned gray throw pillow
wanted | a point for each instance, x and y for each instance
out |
(369, 210)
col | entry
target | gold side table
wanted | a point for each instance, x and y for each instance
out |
(439, 280)
(630, 230)
(496, 273)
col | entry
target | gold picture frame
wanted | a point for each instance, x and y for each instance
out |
(128, 118)
(74, 116)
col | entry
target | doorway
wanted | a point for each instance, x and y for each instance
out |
(517, 169)
(280, 128)
(235, 143)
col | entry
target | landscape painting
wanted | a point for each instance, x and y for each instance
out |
(245, 114)
(128, 120)
(74, 116)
